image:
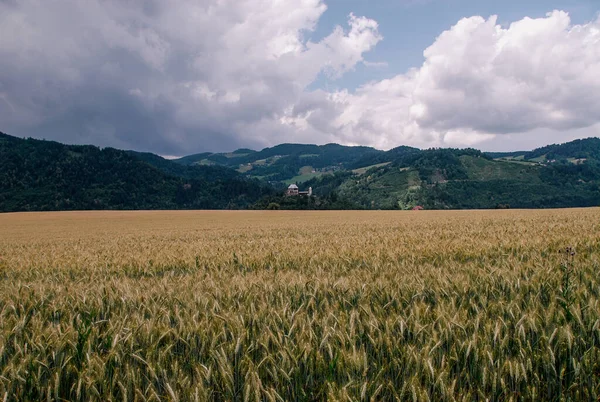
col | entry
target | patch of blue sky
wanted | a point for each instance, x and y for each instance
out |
(408, 27)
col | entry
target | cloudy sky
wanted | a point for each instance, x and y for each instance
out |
(188, 76)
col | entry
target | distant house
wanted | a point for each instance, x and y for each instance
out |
(418, 208)
(293, 191)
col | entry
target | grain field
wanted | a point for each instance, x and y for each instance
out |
(300, 306)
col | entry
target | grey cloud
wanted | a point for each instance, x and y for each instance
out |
(188, 76)
(170, 78)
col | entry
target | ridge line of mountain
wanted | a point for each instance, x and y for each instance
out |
(48, 175)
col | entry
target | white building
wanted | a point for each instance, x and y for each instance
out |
(293, 190)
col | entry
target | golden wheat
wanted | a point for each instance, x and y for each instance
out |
(280, 306)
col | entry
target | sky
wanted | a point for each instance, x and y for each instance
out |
(189, 76)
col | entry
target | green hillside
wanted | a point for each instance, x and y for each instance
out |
(287, 163)
(506, 155)
(577, 149)
(194, 159)
(467, 179)
(384, 157)
(45, 175)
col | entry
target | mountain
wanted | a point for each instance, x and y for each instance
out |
(46, 175)
(370, 160)
(287, 163)
(577, 149)
(566, 175)
(40, 175)
(204, 172)
(570, 151)
(195, 159)
(505, 155)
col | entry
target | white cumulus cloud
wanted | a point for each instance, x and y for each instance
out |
(190, 75)
(480, 80)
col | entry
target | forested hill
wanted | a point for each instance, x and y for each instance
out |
(287, 162)
(566, 175)
(38, 175)
(45, 175)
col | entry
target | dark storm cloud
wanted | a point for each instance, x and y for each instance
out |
(187, 76)
(173, 79)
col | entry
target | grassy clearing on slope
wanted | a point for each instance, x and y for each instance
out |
(301, 178)
(484, 169)
(540, 159)
(305, 173)
(363, 170)
(244, 168)
(383, 188)
(234, 305)
(230, 155)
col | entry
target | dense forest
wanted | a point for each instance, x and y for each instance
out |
(38, 175)
(45, 175)
(470, 179)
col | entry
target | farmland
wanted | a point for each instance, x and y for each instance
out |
(278, 306)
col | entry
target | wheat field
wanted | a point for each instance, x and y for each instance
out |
(300, 306)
